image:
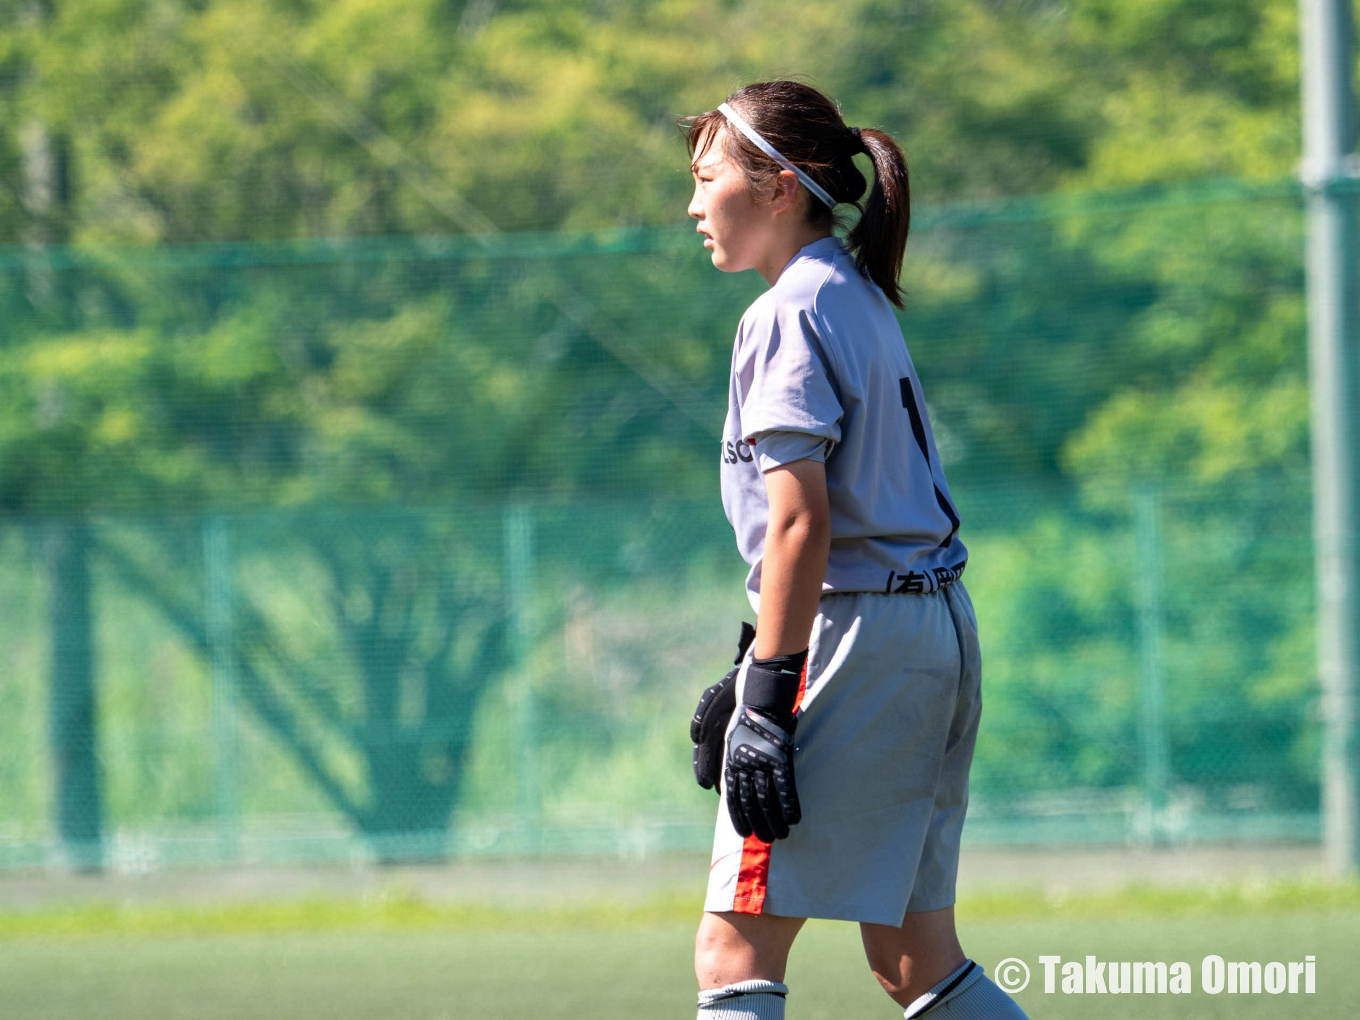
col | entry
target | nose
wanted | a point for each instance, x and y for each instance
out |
(695, 209)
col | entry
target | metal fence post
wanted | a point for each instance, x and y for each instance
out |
(1329, 173)
(519, 555)
(222, 652)
(73, 717)
(1152, 737)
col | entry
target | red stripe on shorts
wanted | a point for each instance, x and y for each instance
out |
(753, 878)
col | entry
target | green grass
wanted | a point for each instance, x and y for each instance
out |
(397, 956)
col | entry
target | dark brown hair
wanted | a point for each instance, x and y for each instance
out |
(806, 127)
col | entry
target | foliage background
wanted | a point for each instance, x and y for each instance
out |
(361, 360)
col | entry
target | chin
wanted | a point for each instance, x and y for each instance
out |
(724, 263)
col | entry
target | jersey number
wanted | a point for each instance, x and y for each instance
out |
(918, 429)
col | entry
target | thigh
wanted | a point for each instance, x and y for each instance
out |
(732, 947)
(937, 869)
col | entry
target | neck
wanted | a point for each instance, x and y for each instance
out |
(782, 253)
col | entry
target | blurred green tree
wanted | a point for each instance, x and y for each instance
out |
(1166, 344)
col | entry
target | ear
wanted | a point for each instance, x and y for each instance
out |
(786, 192)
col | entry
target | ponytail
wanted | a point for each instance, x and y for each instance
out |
(879, 239)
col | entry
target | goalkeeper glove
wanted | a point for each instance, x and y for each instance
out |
(709, 725)
(761, 796)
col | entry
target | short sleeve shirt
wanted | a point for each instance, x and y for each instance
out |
(820, 371)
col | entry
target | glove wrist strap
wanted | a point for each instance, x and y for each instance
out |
(772, 684)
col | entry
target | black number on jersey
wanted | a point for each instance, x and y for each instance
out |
(918, 429)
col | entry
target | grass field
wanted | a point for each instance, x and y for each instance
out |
(403, 956)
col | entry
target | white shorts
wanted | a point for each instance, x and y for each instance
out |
(886, 728)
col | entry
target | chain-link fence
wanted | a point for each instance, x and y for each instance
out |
(412, 547)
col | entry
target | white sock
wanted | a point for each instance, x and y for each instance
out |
(966, 994)
(745, 1000)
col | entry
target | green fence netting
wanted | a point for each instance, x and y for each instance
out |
(411, 548)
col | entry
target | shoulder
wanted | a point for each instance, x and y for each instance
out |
(795, 296)
(823, 295)
(844, 298)
(802, 283)
(827, 283)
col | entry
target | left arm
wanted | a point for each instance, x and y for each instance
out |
(762, 799)
(797, 543)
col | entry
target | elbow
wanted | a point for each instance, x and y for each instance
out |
(807, 526)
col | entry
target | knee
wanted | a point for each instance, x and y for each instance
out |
(895, 978)
(742, 948)
(709, 953)
(905, 977)
(907, 960)
(893, 965)
(719, 956)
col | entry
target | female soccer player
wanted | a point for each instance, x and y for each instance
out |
(842, 743)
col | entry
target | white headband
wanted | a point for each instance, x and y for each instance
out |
(775, 154)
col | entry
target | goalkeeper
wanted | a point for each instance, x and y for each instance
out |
(841, 743)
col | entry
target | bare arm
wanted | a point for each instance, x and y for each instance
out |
(797, 543)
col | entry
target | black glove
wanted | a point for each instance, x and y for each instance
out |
(761, 796)
(709, 725)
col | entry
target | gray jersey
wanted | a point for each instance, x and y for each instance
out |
(820, 371)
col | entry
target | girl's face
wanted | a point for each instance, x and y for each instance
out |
(739, 229)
